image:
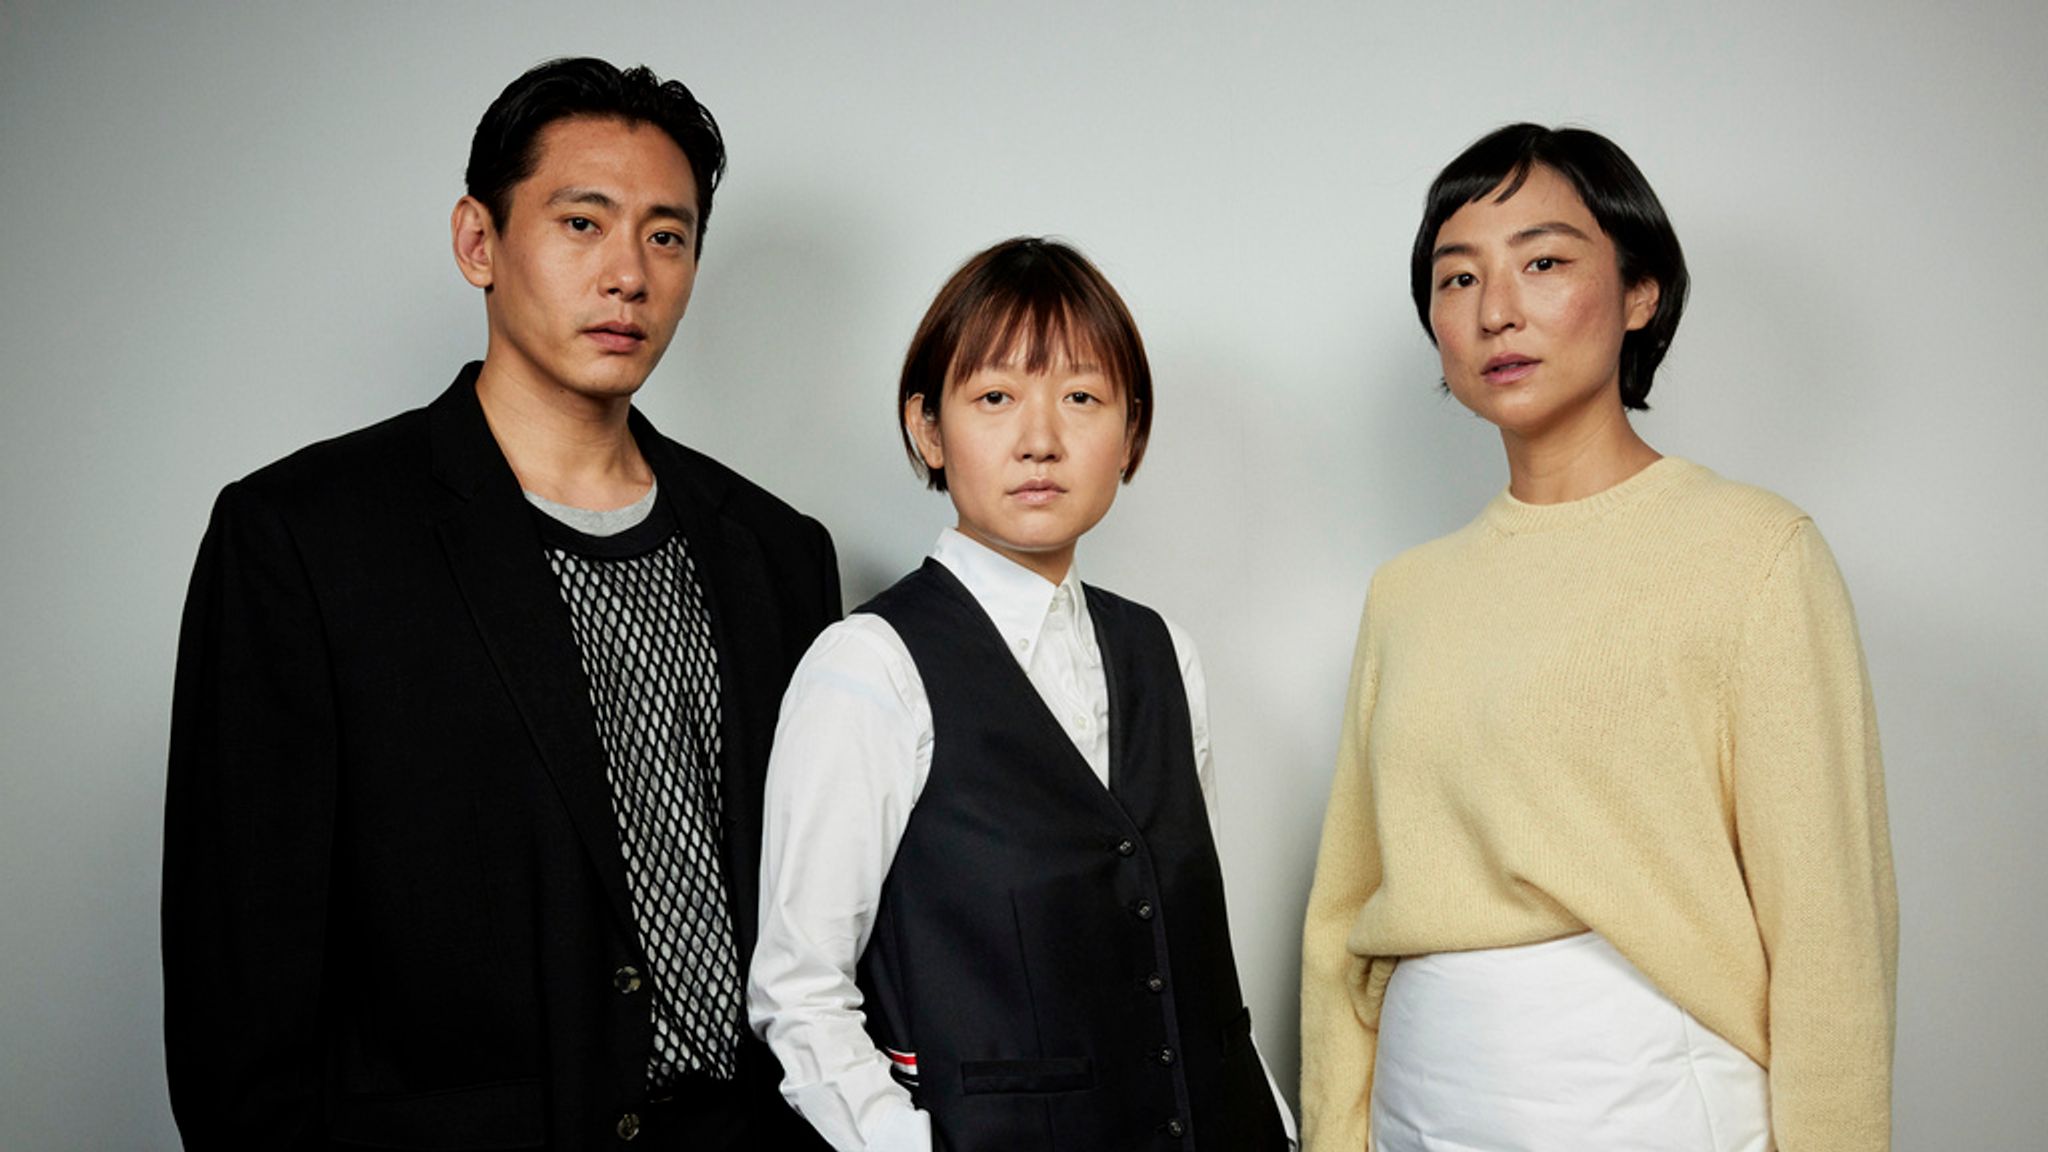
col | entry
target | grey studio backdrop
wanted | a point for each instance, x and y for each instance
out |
(224, 235)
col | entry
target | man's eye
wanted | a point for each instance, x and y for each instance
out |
(582, 224)
(669, 239)
(1544, 263)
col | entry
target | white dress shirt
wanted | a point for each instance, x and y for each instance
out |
(853, 747)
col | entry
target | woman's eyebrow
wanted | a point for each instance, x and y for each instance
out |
(1547, 228)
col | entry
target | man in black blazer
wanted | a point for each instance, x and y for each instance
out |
(473, 708)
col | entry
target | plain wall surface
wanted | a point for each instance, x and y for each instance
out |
(223, 234)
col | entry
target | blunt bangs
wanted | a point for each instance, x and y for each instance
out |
(1033, 304)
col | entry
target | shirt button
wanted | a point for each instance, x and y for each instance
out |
(1142, 910)
(1155, 983)
(629, 1125)
(1125, 847)
(1175, 1128)
(1166, 1057)
(626, 980)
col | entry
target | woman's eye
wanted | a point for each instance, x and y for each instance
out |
(992, 399)
(1458, 280)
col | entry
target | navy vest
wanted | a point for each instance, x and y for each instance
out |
(1050, 963)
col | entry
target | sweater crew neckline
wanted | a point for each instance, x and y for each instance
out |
(1514, 517)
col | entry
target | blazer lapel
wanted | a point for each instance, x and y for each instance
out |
(746, 629)
(496, 555)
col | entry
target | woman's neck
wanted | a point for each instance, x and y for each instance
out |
(1574, 461)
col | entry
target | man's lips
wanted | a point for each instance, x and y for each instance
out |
(617, 336)
(1508, 367)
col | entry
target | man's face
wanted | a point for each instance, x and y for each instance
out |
(590, 274)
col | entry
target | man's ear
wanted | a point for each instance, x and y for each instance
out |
(476, 240)
(924, 432)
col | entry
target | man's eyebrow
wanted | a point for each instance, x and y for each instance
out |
(687, 217)
(674, 212)
(590, 196)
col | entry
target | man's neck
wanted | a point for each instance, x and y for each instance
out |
(564, 446)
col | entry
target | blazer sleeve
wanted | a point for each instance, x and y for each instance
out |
(248, 834)
(831, 607)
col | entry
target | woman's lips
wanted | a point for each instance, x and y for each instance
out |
(1036, 492)
(1508, 369)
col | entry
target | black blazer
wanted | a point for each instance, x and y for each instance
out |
(395, 911)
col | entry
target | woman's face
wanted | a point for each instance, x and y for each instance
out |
(1529, 310)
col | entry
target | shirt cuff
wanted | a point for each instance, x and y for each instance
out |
(904, 1130)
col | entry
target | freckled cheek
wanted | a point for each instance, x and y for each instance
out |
(1453, 344)
(1576, 311)
(1590, 313)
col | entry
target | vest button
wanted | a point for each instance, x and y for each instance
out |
(1155, 983)
(1142, 909)
(626, 980)
(1125, 847)
(1166, 1057)
(629, 1126)
(1175, 1128)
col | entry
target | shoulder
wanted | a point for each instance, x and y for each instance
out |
(1738, 534)
(859, 656)
(1420, 568)
(737, 497)
(380, 451)
(358, 478)
(1128, 617)
(1732, 510)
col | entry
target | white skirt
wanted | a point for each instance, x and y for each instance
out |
(1555, 1047)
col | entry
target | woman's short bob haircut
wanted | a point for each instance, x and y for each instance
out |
(1029, 303)
(1612, 188)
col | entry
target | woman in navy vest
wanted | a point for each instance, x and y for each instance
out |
(992, 915)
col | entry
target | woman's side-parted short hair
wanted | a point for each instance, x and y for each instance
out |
(1611, 187)
(1032, 303)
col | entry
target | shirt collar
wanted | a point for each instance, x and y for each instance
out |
(1018, 600)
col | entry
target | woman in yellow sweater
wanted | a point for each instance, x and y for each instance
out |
(1606, 863)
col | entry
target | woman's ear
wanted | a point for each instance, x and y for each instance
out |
(924, 432)
(1131, 426)
(1641, 302)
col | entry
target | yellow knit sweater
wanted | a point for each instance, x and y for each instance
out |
(1643, 713)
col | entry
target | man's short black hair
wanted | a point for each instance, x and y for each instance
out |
(1613, 190)
(505, 151)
